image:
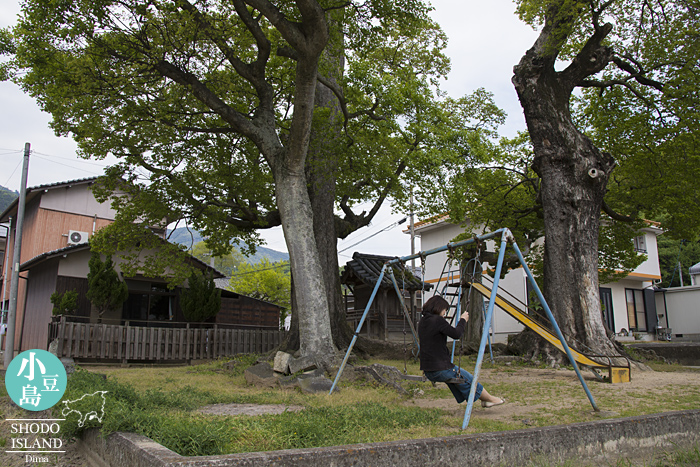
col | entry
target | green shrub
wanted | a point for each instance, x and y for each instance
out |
(201, 299)
(64, 303)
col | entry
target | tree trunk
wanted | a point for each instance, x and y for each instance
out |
(474, 305)
(310, 296)
(574, 175)
(321, 170)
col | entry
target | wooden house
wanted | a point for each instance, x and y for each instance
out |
(59, 220)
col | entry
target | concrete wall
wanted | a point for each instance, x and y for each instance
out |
(600, 441)
(650, 268)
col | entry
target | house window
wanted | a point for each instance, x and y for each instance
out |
(640, 244)
(636, 310)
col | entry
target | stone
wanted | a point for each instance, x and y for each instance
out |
(281, 364)
(302, 364)
(316, 384)
(386, 375)
(291, 381)
(68, 364)
(261, 375)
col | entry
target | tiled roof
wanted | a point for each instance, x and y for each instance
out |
(366, 268)
(71, 248)
(77, 181)
(429, 221)
(49, 254)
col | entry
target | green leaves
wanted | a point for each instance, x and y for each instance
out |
(64, 303)
(201, 299)
(105, 290)
(266, 281)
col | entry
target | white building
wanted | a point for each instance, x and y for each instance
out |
(628, 304)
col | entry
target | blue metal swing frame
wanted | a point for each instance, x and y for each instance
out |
(506, 238)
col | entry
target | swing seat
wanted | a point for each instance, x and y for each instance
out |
(418, 378)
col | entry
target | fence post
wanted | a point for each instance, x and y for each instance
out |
(61, 330)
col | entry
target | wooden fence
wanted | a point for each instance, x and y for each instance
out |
(159, 344)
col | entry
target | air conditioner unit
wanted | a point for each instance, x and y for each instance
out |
(75, 237)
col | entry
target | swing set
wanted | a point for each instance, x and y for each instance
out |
(552, 334)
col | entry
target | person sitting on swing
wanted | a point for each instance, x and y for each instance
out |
(435, 361)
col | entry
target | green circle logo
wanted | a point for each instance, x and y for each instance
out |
(36, 380)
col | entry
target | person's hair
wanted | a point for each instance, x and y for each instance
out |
(435, 305)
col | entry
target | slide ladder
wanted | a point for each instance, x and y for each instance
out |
(616, 374)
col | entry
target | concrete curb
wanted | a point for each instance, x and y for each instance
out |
(601, 440)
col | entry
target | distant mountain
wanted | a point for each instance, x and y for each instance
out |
(190, 237)
(6, 197)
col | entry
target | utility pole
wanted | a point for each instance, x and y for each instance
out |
(680, 272)
(14, 284)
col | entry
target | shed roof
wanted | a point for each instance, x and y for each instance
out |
(694, 269)
(365, 269)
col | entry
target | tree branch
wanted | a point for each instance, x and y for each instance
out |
(615, 215)
(237, 120)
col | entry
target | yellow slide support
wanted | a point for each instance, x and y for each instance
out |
(616, 374)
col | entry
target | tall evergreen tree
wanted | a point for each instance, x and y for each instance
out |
(105, 290)
(201, 299)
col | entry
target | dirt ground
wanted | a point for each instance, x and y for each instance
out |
(642, 381)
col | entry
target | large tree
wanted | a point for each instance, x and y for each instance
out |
(629, 137)
(132, 78)
(213, 106)
(610, 94)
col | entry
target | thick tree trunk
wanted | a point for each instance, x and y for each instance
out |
(574, 174)
(309, 292)
(321, 171)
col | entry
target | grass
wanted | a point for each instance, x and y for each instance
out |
(162, 403)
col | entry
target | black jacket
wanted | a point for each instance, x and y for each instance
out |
(433, 331)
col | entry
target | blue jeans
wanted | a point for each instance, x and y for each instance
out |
(460, 391)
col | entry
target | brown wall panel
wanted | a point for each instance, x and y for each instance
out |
(37, 313)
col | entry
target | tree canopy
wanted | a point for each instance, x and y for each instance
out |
(226, 264)
(213, 110)
(105, 290)
(200, 300)
(610, 95)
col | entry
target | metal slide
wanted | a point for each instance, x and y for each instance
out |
(617, 374)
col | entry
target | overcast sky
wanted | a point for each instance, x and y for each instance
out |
(485, 40)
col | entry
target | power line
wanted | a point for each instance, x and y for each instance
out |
(80, 160)
(69, 166)
(399, 222)
(281, 265)
(13, 172)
